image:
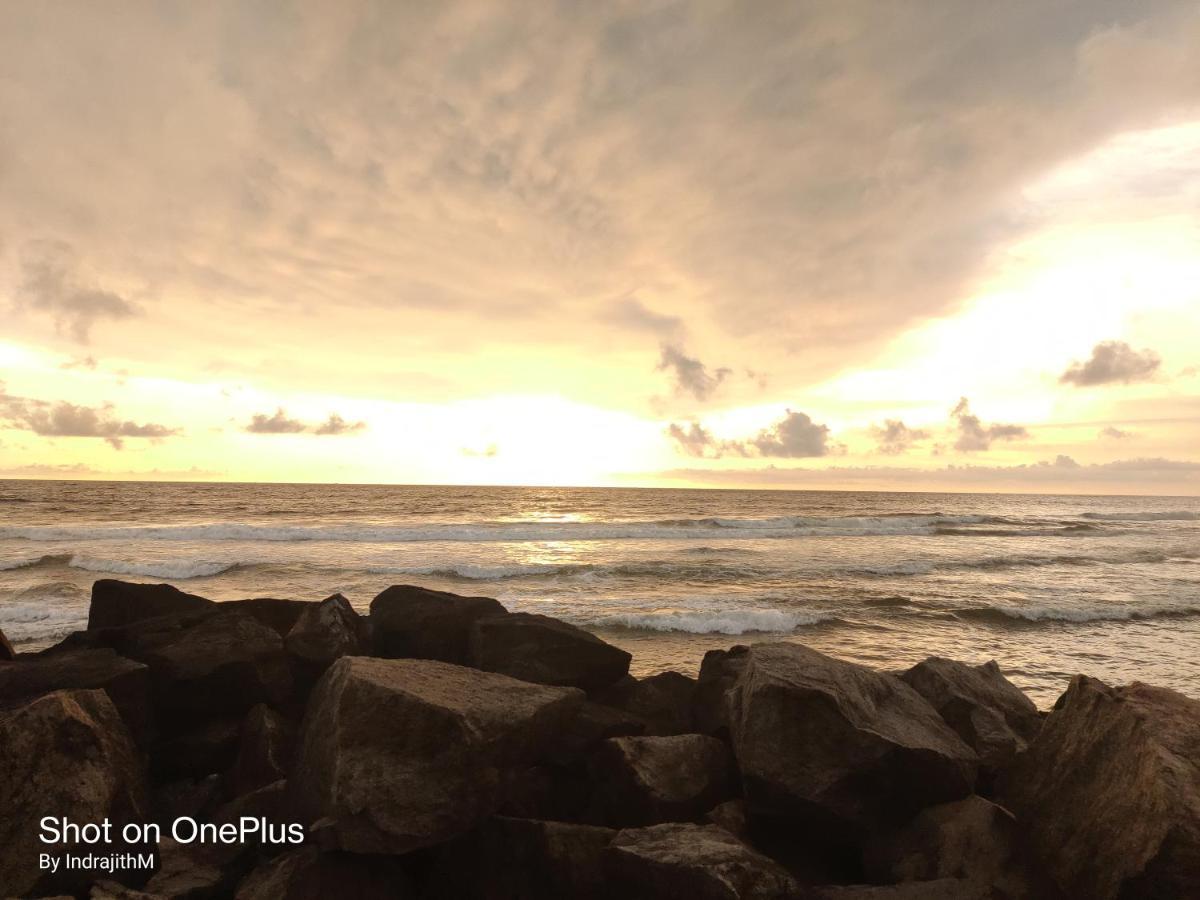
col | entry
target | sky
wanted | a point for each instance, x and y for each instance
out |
(904, 246)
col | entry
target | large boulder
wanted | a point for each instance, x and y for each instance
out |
(309, 874)
(414, 622)
(116, 603)
(649, 780)
(983, 707)
(546, 651)
(326, 631)
(7, 653)
(719, 671)
(126, 682)
(67, 754)
(1109, 792)
(399, 754)
(819, 738)
(699, 862)
(663, 701)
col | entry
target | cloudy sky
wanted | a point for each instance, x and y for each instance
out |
(926, 245)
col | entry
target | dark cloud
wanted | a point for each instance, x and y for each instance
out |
(280, 423)
(895, 437)
(795, 436)
(71, 420)
(335, 424)
(691, 376)
(50, 283)
(974, 435)
(1112, 362)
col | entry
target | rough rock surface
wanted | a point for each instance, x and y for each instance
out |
(983, 707)
(399, 754)
(118, 603)
(67, 754)
(847, 745)
(309, 874)
(545, 651)
(417, 623)
(697, 862)
(1109, 791)
(649, 780)
(663, 701)
(326, 631)
(719, 672)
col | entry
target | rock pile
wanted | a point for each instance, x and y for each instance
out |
(441, 747)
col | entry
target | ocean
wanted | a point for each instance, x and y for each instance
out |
(1047, 585)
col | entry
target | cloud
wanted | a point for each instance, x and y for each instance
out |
(895, 437)
(280, 423)
(71, 420)
(796, 435)
(694, 440)
(691, 375)
(1112, 362)
(973, 435)
(1116, 434)
(632, 313)
(50, 283)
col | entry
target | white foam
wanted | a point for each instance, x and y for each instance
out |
(178, 569)
(733, 621)
(1180, 515)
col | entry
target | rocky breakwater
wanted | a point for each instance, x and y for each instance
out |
(441, 747)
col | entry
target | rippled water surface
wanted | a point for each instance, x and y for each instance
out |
(1047, 585)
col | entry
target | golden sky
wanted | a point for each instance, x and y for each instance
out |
(913, 245)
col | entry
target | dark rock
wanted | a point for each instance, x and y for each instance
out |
(1109, 792)
(400, 754)
(941, 889)
(559, 793)
(983, 707)
(309, 874)
(264, 752)
(417, 623)
(648, 780)
(592, 724)
(200, 751)
(816, 737)
(545, 651)
(692, 861)
(67, 754)
(111, 890)
(719, 672)
(730, 815)
(279, 615)
(7, 653)
(191, 797)
(117, 603)
(663, 701)
(126, 682)
(191, 872)
(327, 631)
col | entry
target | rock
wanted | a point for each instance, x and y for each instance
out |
(545, 651)
(203, 750)
(111, 890)
(7, 653)
(524, 859)
(663, 701)
(191, 797)
(592, 724)
(730, 815)
(126, 682)
(190, 872)
(698, 862)
(326, 631)
(309, 874)
(850, 748)
(417, 623)
(719, 672)
(941, 889)
(1109, 792)
(280, 616)
(559, 793)
(400, 754)
(264, 752)
(983, 707)
(971, 839)
(117, 603)
(67, 754)
(648, 780)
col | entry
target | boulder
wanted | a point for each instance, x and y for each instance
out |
(940, 889)
(111, 890)
(719, 672)
(279, 615)
(116, 603)
(730, 815)
(264, 752)
(1108, 793)
(67, 754)
(983, 707)
(649, 780)
(326, 631)
(698, 862)
(417, 623)
(561, 793)
(399, 754)
(203, 749)
(663, 701)
(309, 874)
(545, 651)
(191, 797)
(592, 724)
(853, 749)
(192, 871)
(7, 653)
(126, 682)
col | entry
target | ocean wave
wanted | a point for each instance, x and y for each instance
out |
(177, 569)
(1180, 515)
(1017, 561)
(732, 621)
(1008, 615)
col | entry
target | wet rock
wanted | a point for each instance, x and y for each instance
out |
(264, 752)
(417, 623)
(983, 707)
(326, 631)
(546, 651)
(7, 653)
(693, 861)
(400, 754)
(67, 754)
(719, 672)
(663, 701)
(309, 874)
(648, 780)
(819, 738)
(117, 603)
(1109, 792)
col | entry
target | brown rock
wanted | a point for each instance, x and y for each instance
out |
(663, 701)
(191, 797)
(326, 631)
(941, 889)
(648, 780)
(694, 862)
(1109, 792)
(545, 651)
(264, 751)
(67, 754)
(7, 653)
(202, 750)
(116, 603)
(191, 872)
(983, 707)
(592, 724)
(822, 738)
(400, 754)
(730, 815)
(309, 874)
(279, 615)
(111, 890)
(417, 623)
(719, 672)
